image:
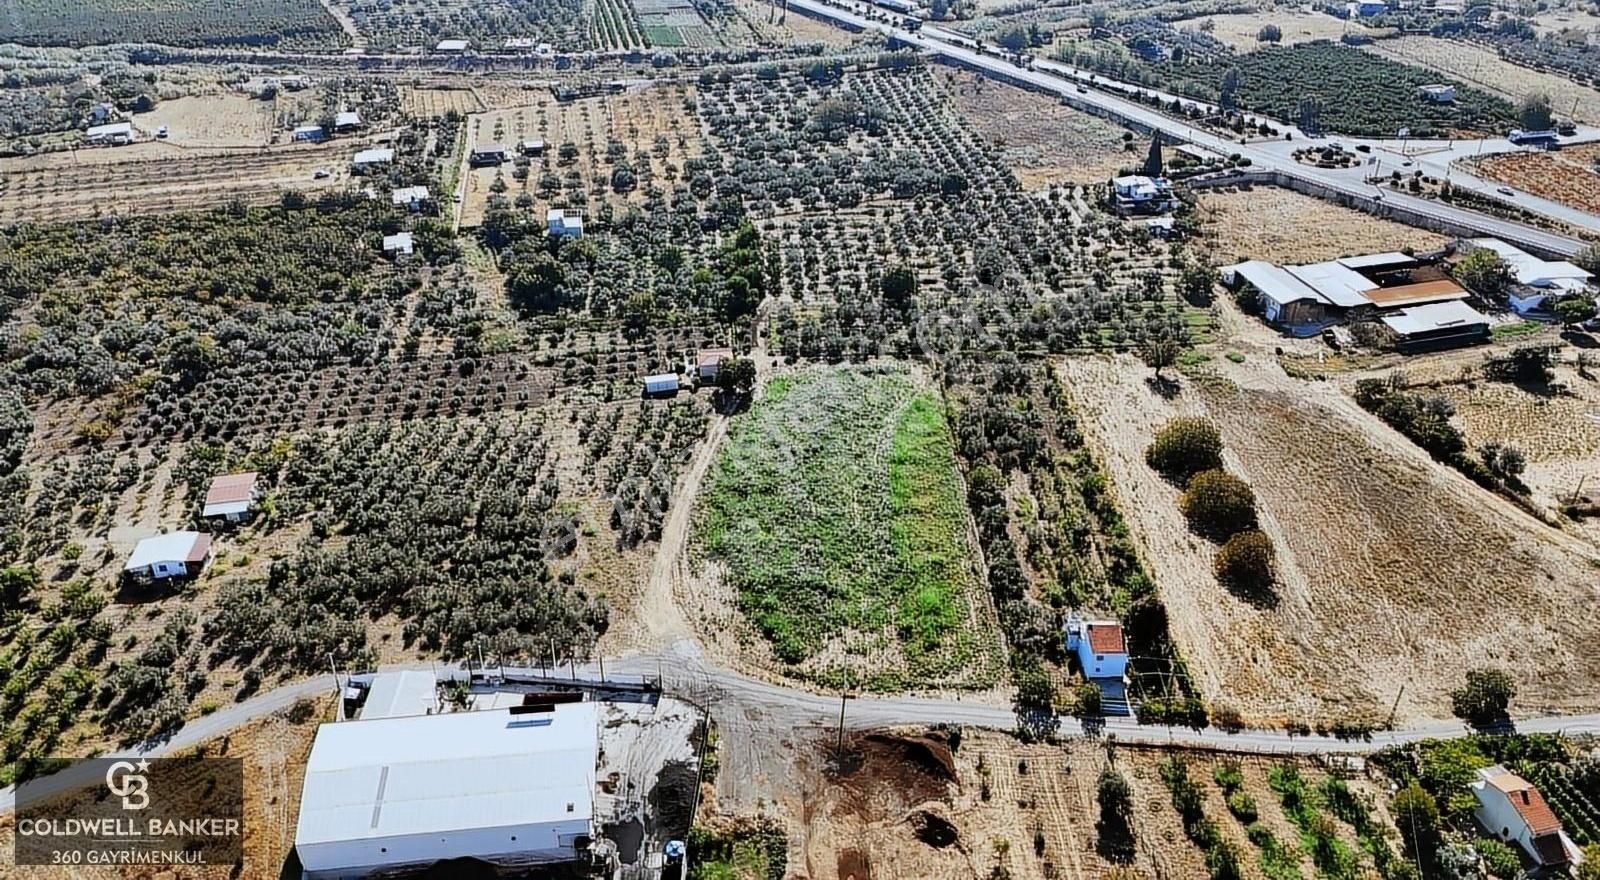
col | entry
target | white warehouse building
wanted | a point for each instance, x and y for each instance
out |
(511, 787)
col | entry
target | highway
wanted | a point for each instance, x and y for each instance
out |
(1098, 94)
(687, 674)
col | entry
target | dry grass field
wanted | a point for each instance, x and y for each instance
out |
(1564, 18)
(1567, 175)
(794, 28)
(1554, 427)
(274, 751)
(1043, 141)
(1269, 223)
(1396, 575)
(155, 177)
(439, 101)
(225, 120)
(1483, 67)
(650, 123)
(1240, 30)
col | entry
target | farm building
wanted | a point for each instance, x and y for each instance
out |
(708, 361)
(401, 694)
(563, 225)
(661, 383)
(175, 554)
(1139, 194)
(1438, 93)
(1512, 809)
(1437, 325)
(111, 134)
(398, 245)
(904, 7)
(451, 47)
(232, 497)
(1539, 279)
(1366, 8)
(307, 133)
(1286, 302)
(1304, 300)
(1160, 227)
(531, 148)
(412, 198)
(372, 158)
(519, 44)
(346, 121)
(488, 154)
(511, 787)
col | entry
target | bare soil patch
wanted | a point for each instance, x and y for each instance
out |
(1271, 223)
(1043, 141)
(227, 120)
(1396, 575)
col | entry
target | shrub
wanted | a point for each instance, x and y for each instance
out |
(1416, 815)
(1218, 505)
(1184, 447)
(1484, 697)
(1228, 776)
(1243, 806)
(1246, 564)
(1501, 860)
(1113, 833)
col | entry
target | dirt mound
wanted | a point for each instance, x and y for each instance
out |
(933, 829)
(882, 775)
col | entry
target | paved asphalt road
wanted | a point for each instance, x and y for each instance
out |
(687, 675)
(1106, 95)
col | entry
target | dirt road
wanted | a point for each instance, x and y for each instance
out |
(658, 611)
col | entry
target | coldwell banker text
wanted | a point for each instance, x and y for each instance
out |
(133, 811)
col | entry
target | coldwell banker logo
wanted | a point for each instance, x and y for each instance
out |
(163, 811)
(133, 788)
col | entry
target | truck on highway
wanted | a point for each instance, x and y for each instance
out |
(1541, 138)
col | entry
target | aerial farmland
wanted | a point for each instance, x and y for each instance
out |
(912, 439)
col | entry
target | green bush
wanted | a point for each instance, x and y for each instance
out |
(1247, 564)
(1501, 860)
(1184, 447)
(1242, 806)
(1484, 698)
(1218, 505)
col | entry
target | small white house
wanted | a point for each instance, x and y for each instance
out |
(412, 198)
(531, 148)
(232, 497)
(661, 384)
(372, 158)
(111, 134)
(348, 120)
(1512, 809)
(451, 47)
(307, 133)
(175, 554)
(564, 225)
(1142, 194)
(708, 361)
(398, 245)
(1438, 93)
(1101, 649)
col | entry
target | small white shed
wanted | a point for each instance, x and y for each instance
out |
(661, 383)
(175, 554)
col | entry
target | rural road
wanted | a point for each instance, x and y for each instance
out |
(1098, 94)
(686, 673)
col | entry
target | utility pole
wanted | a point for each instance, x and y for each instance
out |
(335, 670)
(839, 746)
(1396, 707)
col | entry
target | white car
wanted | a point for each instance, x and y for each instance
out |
(321, 174)
(161, 132)
(1505, 191)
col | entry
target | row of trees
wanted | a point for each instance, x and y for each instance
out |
(1220, 507)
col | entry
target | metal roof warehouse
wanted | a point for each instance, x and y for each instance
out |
(508, 786)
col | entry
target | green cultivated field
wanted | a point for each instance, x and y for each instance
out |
(836, 510)
(185, 23)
